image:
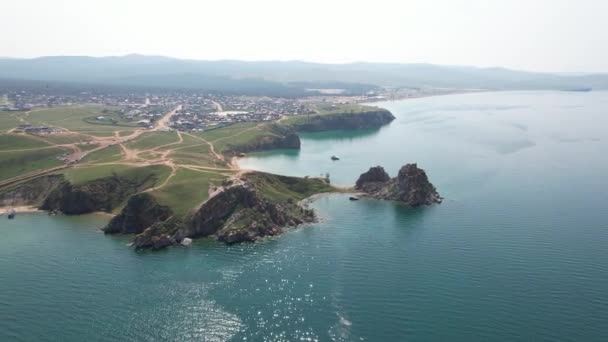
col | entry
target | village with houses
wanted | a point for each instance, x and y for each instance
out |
(196, 110)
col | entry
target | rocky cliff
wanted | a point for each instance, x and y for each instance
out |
(31, 193)
(411, 186)
(140, 212)
(342, 121)
(246, 208)
(282, 135)
(103, 194)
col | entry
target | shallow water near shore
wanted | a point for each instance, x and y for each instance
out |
(516, 252)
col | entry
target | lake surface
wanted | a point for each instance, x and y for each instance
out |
(518, 250)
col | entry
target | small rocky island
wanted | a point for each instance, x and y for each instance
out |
(411, 186)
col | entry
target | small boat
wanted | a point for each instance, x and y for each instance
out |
(11, 214)
(353, 198)
(334, 158)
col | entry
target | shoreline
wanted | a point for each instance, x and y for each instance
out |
(32, 209)
(20, 209)
(102, 213)
(372, 102)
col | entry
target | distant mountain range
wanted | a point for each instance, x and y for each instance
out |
(281, 78)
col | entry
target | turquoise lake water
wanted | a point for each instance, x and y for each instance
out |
(517, 252)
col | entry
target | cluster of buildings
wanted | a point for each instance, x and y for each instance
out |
(200, 112)
(143, 115)
(28, 99)
(261, 105)
(188, 119)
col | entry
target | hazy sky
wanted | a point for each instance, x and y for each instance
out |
(543, 35)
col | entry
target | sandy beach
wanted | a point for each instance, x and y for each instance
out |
(31, 209)
(20, 209)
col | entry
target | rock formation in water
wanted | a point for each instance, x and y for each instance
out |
(411, 186)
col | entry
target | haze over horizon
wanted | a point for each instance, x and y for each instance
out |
(543, 36)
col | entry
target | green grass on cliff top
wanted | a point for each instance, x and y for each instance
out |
(187, 189)
(240, 134)
(329, 109)
(332, 108)
(81, 175)
(281, 188)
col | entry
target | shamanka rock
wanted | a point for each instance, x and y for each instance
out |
(411, 186)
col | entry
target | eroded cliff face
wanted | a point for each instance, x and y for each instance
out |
(103, 194)
(140, 212)
(241, 213)
(345, 121)
(31, 193)
(411, 186)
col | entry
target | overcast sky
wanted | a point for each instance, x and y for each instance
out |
(540, 35)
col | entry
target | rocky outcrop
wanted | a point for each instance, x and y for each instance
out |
(30, 193)
(373, 179)
(103, 194)
(411, 186)
(158, 235)
(141, 211)
(240, 212)
(344, 121)
(243, 209)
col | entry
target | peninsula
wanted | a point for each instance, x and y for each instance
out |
(164, 184)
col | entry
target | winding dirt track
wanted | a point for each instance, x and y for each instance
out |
(77, 153)
(131, 157)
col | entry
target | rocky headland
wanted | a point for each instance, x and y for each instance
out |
(275, 137)
(244, 209)
(371, 118)
(284, 133)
